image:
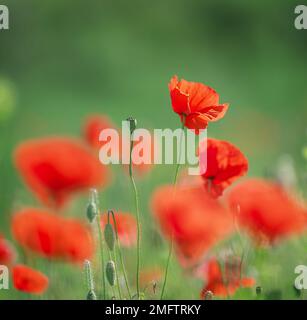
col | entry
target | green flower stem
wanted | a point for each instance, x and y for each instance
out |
(167, 268)
(136, 199)
(178, 164)
(174, 185)
(101, 255)
(115, 259)
(121, 256)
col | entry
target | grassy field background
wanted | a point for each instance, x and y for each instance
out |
(63, 60)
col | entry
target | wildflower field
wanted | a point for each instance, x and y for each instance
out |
(73, 227)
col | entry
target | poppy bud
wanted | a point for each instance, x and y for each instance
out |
(91, 211)
(132, 124)
(109, 236)
(208, 295)
(154, 287)
(89, 281)
(110, 272)
(91, 295)
(258, 291)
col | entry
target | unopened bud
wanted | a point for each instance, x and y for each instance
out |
(132, 124)
(110, 272)
(91, 211)
(91, 295)
(109, 236)
(258, 291)
(208, 295)
(154, 287)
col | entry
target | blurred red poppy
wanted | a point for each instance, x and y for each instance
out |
(195, 221)
(223, 163)
(7, 252)
(29, 280)
(94, 124)
(55, 168)
(226, 283)
(195, 103)
(126, 227)
(52, 236)
(77, 243)
(266, 210)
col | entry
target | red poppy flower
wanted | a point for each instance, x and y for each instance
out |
(126, 227)
(226, 283)
(195, 103)
(29, 280)
(77, 243)
(224, 163)
(195, 221)
(266, 210)
(52, 236)
(94, 124)
(55, 168)
(7, 252)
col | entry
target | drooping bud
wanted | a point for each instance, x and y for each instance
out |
(132, 124)
(91, 295)
(109, 236)
(111, 272)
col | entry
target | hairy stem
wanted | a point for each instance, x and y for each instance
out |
(136, 199)
(101, 255)
(174, 186)
(121, 256)
(167, 268)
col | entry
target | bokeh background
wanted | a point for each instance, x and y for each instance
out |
(63, 60)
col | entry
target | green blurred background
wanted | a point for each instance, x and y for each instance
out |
(63, 60)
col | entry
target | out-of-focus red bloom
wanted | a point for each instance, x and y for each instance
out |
(226, 283)
(29, 280)
(195, 221)
(126, 227)
(195, 103)
(7, 252)
(266, 210)
(52, 236)
(77, 243)
(223, 164)
(94, 124)
(55, 168)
